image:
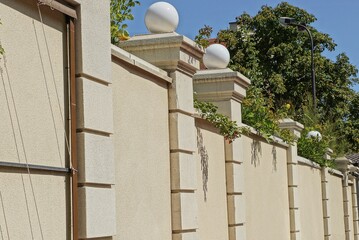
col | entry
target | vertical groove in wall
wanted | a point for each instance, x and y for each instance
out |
(325, 202)
(346, 206)
(73, 129)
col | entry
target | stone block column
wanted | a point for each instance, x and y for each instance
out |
(344, 165)
(354, 197)
(97, 212)
(226, 89)
(179, 56)
(347, 207)
(326, 203)
(293, 179)
(325, 198)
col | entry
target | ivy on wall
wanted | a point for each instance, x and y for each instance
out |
(228, 128)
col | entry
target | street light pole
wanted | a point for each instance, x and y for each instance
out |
(285, 21)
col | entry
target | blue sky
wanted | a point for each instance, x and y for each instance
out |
(338, 18)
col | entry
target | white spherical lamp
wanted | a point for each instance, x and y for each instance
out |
(216, 57)
(161, 17)
(314, 134)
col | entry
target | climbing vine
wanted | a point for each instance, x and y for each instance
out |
(228, 128)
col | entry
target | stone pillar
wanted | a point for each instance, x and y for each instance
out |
(97, 212)
(293, 179)
(355, 207)
(179, 56)
(343, 164)
(226, 89)
(325, 198)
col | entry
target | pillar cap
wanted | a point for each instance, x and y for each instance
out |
(290, 124)
(168, 51)
(220, 84)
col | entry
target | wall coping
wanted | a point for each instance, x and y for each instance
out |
(139, 63)
(290, 124)
(163, 40)
(336, 172)
(223, 74)
(277, 140)
(220, 85)
(168, 51)
(307, 162)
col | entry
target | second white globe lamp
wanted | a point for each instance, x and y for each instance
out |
(161, 17)
(314, 134)
(216, 57)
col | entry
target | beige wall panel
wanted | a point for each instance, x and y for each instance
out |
(212, 203)
(267, 206)
(311, 210)
(27, 67)
(16, 212)
(336, 207)
(141, 143)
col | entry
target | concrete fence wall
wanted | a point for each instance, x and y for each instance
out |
(149, 166)
(249, 189)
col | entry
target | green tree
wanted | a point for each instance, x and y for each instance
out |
(120, 11)
(277, 60)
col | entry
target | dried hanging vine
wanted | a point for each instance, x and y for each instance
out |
(2, 51)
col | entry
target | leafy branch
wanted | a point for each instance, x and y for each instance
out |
(120, 11)
(258, 113)
(227, 128)
(202, 39)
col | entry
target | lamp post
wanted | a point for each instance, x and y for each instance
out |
(286, 21)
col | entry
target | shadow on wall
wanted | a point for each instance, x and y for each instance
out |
(202, 151)
(9, 96)
(256, 154)
(256, 150)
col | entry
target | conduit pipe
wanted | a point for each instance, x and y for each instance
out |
(72, 59)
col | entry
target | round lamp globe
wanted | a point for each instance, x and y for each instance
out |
(161, 17)
(314, 134)
(216, 57)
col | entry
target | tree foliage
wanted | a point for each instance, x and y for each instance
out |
(120, 11)
(277, 60)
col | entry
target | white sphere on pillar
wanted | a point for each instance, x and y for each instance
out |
(161, 17)
(314, 134)
(216, 57)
